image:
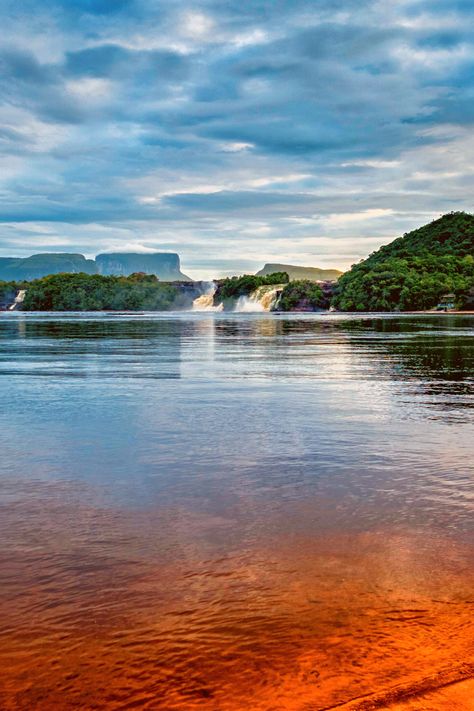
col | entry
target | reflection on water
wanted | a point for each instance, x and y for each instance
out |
(214, 511)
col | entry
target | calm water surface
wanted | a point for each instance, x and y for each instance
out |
(225, 512)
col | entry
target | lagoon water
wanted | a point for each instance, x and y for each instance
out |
(234, 511)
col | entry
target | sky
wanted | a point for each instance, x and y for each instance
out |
(232, 132)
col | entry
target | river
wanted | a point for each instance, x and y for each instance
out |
(234, 511)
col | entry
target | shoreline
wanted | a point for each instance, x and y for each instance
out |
(440, 686)
(247, 313)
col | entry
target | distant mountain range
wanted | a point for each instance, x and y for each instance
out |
(295, 272)
(165, 265)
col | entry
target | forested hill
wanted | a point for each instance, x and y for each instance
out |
(450, 234)
(414, 271)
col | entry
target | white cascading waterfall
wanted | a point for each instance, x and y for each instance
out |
(19, 298)
(205, 302)
(261, 299)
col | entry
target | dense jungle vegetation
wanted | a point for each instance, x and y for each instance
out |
(302, 295)
(8, 290)
(93, 292)
(414, 271)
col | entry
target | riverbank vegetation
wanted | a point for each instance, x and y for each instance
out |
(413, 272)
(93, 292)
(8, 291)
(302, 295)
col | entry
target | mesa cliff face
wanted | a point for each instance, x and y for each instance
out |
(165, 265)
(39, 265)
(295, 272)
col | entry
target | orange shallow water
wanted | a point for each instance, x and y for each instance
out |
(135, 610)
(236, 514)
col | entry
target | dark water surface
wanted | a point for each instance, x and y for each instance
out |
(211, 511)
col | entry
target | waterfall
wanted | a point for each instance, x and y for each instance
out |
(261, 299)
(247, 304)
(19, 298)
(268, 296)
(205, 302)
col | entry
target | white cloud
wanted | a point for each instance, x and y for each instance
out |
(90, 89)
(196, 25)
(350, 218)
(236, 146)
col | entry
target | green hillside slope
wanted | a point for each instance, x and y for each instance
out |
(414, 271)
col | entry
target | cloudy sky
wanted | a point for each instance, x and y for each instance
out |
(234, 132)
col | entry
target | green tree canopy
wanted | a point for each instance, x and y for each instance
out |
(414, 271)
